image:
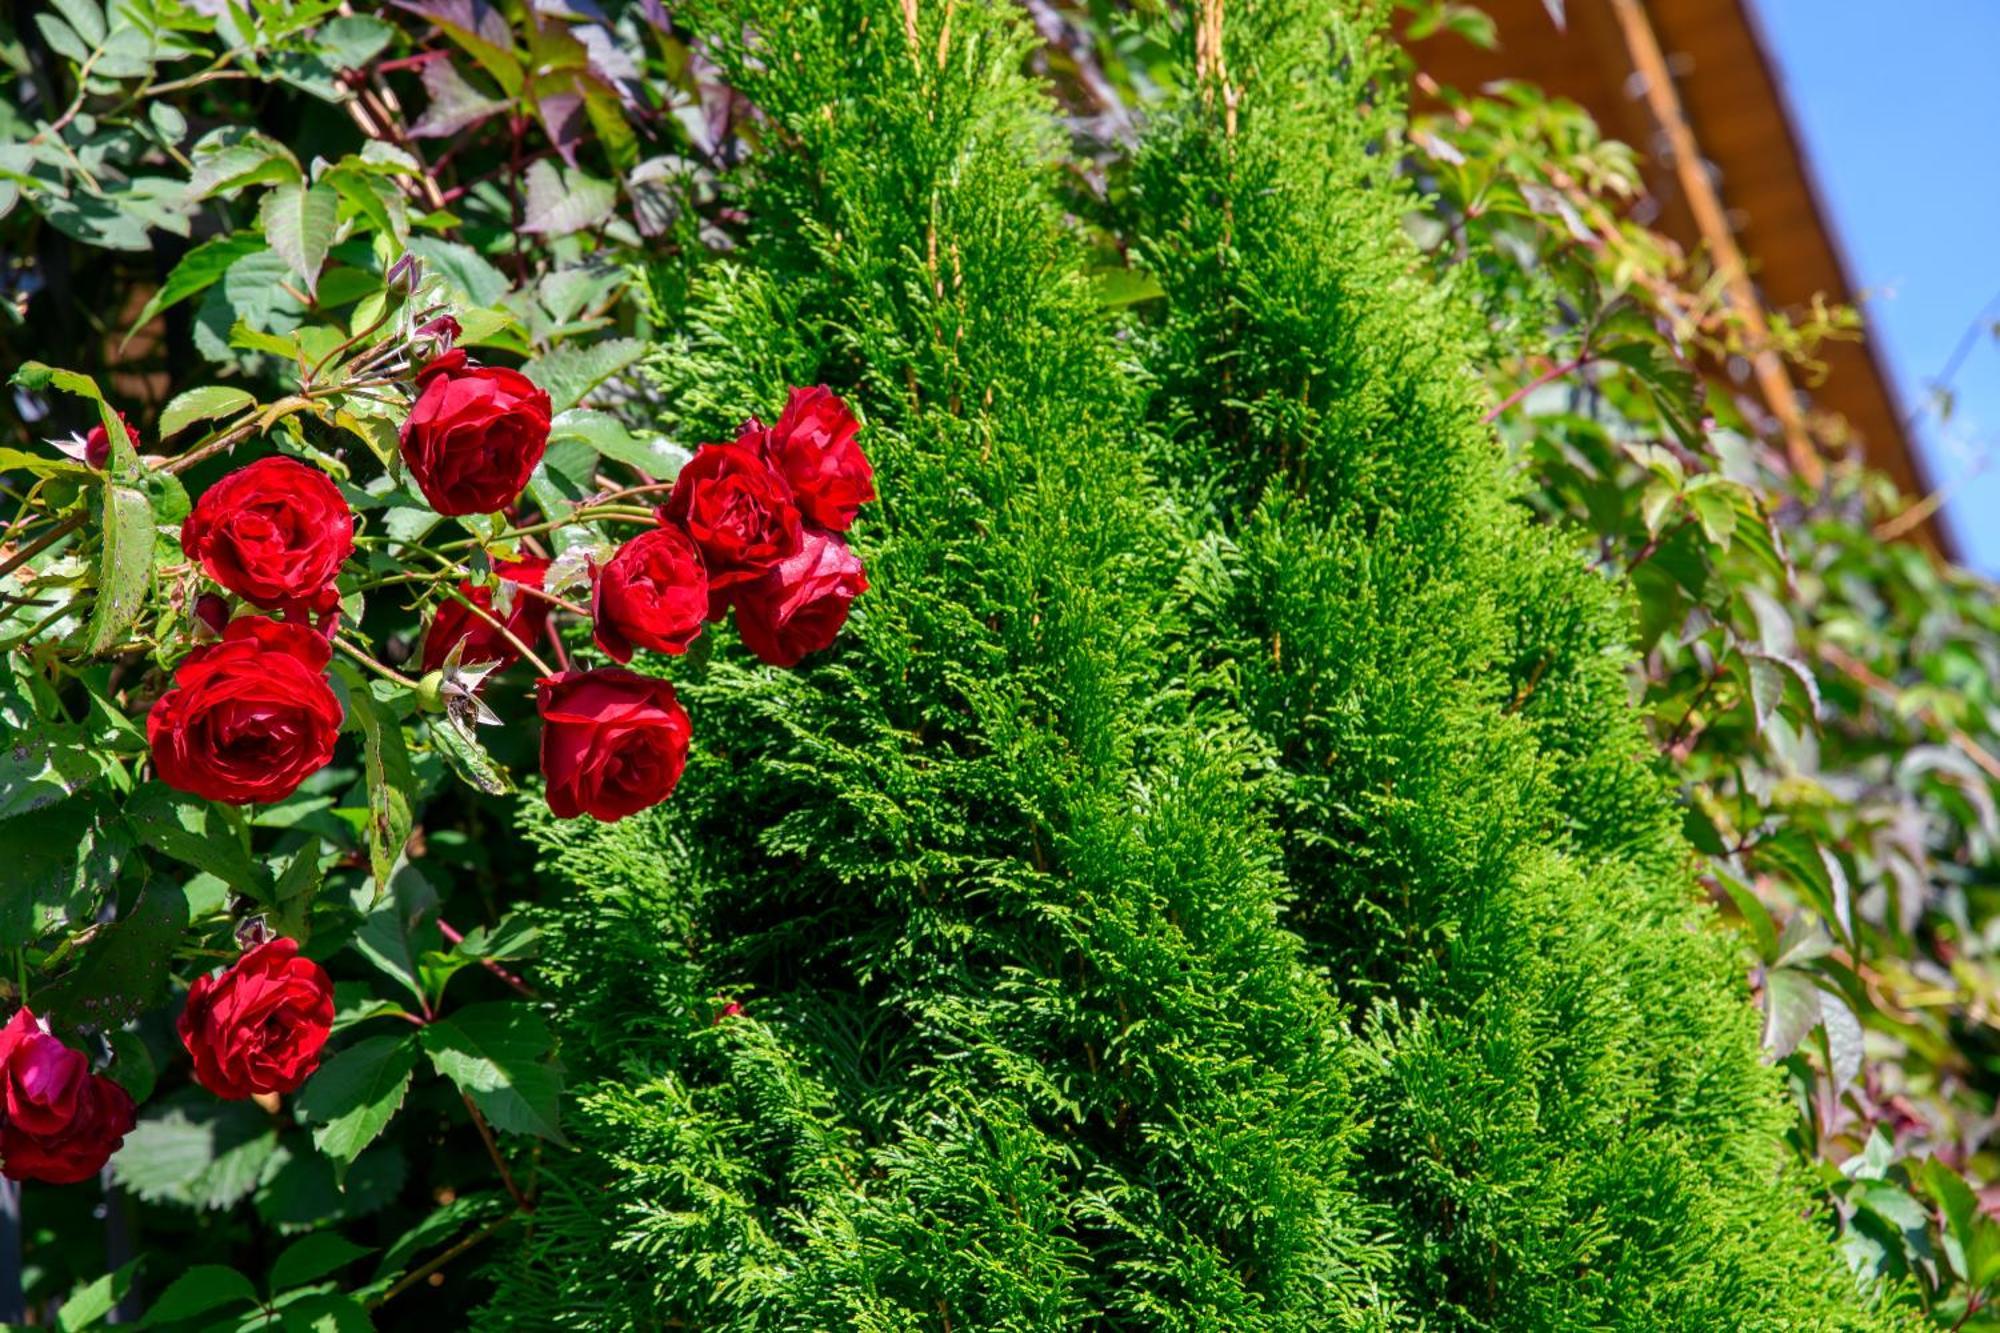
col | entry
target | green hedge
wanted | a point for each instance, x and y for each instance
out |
(1218, 883)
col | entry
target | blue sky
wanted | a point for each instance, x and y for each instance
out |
(1894, 101)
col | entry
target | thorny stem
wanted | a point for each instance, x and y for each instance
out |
(508, 634)
(1548, 376)
(387, 672)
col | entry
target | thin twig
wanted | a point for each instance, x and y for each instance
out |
(417, 1275)
(493, 1151)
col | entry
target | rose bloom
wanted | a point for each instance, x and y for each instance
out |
(653, 594)
(812, 447)
(62, 1121)
(799, 607)
(258, 1025)
(97, 444)
(250, 716)
(474, 435)
(739, 512)
(454, 622)
(613, 741)
(274, 533)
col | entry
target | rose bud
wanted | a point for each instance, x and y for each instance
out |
(258, 1025)
(211, 613)
(97, 444)
(275, 533)
(62, 1122)
(456, 623)
(250, 717)
(799, 607)
(652, 594)
(613, 741)
(739, 512)
(474, 435)
(812, 447)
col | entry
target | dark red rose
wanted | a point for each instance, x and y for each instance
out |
(652, 594)
(475, 435)
(43, 1079)
(812, 447)
(739, 512)
(613, 741)
(250, 717)
(62, 1121)
(274, 533)
(258, 1025)
(799, 607)
(483, 643)
(97, 444)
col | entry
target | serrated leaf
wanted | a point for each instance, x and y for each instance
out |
(497, 1055)
(470, 277)
(204, 1154)
(467, 757)
(398, 931)
(481, 31)
(201, 1290)
(1791, 1009)
(351, 41)
(1844, 1046)
(571, 371)
(199, 269)
(355, 1094)
(196, 832)
(313, 1258)
(561, 203)
(124, 970)
(91, 1302)
(202, 404)
(298, 223)
(60, 862)
(607, 435)
(454, 103)
(124, 566)
(386, 769)
(241, 158)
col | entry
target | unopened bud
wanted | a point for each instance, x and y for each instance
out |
(404, 275)
(211, 612)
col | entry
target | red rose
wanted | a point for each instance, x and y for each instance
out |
(63, 1122)
(274, 533)
(97, 444)
(258, 1026)
(613, 741)
(475, 435)
(812, 447)
(739, 512)
(653, 594)
(799, 607)
(43, 1078)
(454, 622)
(250, 717)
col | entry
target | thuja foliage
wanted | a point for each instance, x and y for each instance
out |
(1219, 881)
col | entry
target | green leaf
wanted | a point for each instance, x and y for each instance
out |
(467, 757)
(85, 17)
(125, 969)
(124, 566)
(1763, 931)
(386, 767)
(90, 1303)
(201, 1290)
(192, 830)
(293, 895)
(60, 863)
(62, 38)
(608, 436)
(497, 1055)
(234, 158)
(132, 1065)
(201, 1154)
(1791, 1009)
(313, 1258)
(199, 269)
(351, 41)
(561, 203)
(470, 277)
(398, 932)
(354, 1096)
(43, 763)
(203, 404)
(571, 371)
(298, 223)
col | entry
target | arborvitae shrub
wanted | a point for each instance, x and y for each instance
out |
(1215, 883)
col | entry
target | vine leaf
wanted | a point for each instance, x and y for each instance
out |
(354, 1096)
(497, 1055)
